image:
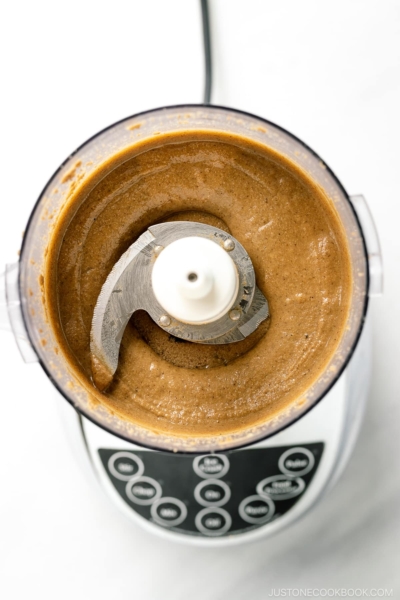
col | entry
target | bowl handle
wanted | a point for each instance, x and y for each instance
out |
(11, 314)
(372, 243)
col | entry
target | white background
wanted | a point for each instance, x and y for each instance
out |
(328, 72)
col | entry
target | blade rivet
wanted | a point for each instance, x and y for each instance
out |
(165, 321)
(158, 250)
(229, 245)
(234, 315)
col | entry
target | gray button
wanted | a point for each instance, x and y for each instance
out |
(281, 487)
(211, 465)
(168, 511)
(143, 490)
(296, 461)
(256, 509)
(213, 521)
(125, 465)
(212, 492)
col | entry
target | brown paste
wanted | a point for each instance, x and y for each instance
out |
(287, 225)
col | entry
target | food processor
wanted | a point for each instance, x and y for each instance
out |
(203, 490)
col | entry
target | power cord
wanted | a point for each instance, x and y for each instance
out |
(205, 13)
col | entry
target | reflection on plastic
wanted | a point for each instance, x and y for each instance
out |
(372, 242)
(11, 314)
(5, 324)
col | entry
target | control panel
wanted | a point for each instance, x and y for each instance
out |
(213, 494)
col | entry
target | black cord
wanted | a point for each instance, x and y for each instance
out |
(205, 13)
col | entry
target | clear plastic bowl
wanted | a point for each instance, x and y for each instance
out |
(123, 135)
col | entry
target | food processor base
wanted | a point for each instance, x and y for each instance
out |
(240, 495)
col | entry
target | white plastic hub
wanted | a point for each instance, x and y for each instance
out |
(195, 280)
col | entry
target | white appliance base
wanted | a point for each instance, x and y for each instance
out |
(333, 423)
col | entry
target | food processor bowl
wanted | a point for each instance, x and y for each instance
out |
(79, 168)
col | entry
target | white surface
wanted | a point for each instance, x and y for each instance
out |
(329, 72)
(213, 290)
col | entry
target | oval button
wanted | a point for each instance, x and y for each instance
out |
(213, 521)
(212, 492)
(281, 487)
(256, 509)
(143, 490)
(168, 511)
(296, 461)
(211, 465)
(125, 465)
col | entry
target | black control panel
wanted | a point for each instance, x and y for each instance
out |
(213, 494)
